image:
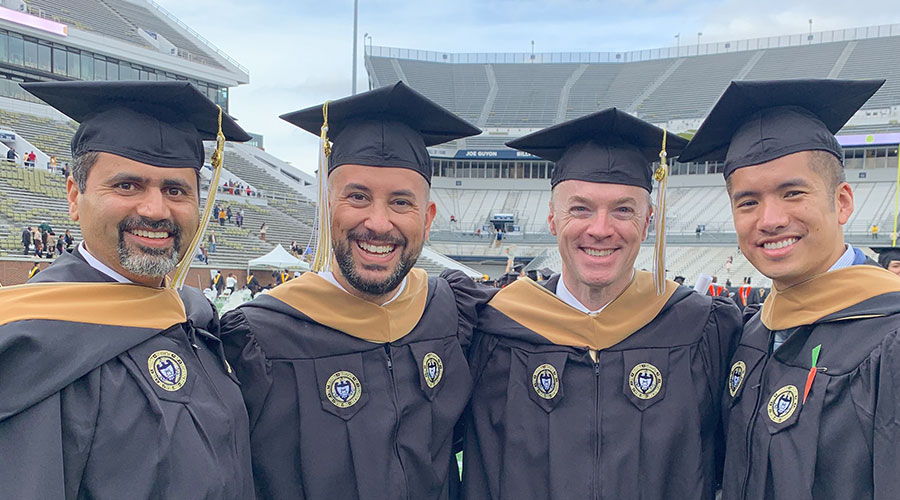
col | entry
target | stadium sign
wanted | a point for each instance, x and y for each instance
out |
(33, 22)
(492, 154)
(868, 139)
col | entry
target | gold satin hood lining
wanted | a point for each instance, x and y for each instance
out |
(542, 312)
(327, 304)
(826, 294)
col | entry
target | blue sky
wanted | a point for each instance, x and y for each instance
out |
(299, 52)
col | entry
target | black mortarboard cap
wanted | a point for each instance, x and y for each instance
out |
(886, 255)
(158, 123)
(761, 120)
(608, 146)
(386, 127)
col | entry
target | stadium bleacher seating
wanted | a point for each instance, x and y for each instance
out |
(90, 15)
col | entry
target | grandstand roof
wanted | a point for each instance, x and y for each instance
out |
(523, 90)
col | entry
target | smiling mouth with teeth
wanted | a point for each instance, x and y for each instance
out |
(598, 253)
(375, 249)
(775, 245)
(155, 235)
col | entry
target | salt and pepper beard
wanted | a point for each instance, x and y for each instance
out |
(146, 261)
(344, 256)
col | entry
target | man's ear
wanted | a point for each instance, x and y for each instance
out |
(72, 197)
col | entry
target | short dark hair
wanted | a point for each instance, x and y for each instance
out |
(81, 167)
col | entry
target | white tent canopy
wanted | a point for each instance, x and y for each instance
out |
(279, 258)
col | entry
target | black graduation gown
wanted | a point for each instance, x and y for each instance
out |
(546, 422)
(81, 416)
(334, 416)
(844, 441)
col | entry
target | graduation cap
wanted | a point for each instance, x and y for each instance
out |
(612, 147)
(758, 121)
(886, 255)
(162, 124)
(546, 273)
(386, 127)
(608, 146)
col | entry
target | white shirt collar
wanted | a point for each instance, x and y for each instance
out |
(96, 264)
(329, 276)
(845, 260)
(566, 296)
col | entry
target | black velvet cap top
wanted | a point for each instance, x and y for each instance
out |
(162, 124)
(386, 127)
(761, 120)
(886, 255)
(608, 146)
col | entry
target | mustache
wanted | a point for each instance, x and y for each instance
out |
(131, 223)
(374, 237)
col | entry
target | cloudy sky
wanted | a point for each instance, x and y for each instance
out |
(299, 52)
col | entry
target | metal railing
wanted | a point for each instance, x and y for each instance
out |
(198, 36)
(682, 50)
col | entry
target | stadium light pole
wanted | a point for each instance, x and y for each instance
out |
(355, 24)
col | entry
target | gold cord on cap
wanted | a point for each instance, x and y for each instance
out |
(217, 161)
(659, 224)
(322, 229)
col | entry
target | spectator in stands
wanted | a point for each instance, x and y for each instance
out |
(66, 171)
(874, 231)
(221, 216)
(201, 254)
(52, 165)
(32, 158)
(231, 283)
(51, 245)
(211, 239)
(327, 322)
(553, 363)
(26, 240)
(239, 218)
(228, 213)
(170, 422)
(499, 238)
(11, 154)
(38, 244)
(248, 191)
(296, 250)
(811, 409)
(69, 240)
(262, 231)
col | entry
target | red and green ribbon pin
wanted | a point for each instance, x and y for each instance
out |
(812, 371)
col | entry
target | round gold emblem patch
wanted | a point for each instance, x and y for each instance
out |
(645, 380)
(343, 389)
(736, 377)
(783, 403)
(545, 381)
(167, 370)
(432, 369)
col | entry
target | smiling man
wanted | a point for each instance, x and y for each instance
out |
(592, 384)
(354, 378)
(112, 384)
(812, 408)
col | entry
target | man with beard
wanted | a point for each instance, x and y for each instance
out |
(813, 397)
(354, 378)
(602, 382)
(112, 382)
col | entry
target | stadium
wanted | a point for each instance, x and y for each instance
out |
(479, 184)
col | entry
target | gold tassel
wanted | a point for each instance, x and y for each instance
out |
(659, 249)
(322, 260)
(217, 161)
